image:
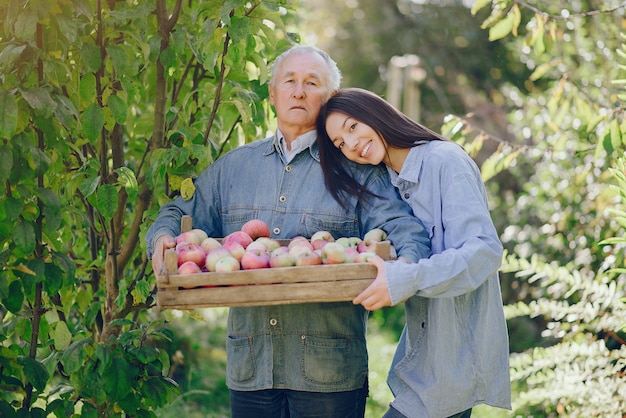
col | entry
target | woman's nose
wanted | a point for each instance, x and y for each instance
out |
(351, 142)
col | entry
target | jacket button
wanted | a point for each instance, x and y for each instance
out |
(407, 195)
(288, 168)
(273, 321)
(282, 199)
(276, 231)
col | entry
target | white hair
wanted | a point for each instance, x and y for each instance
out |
(334, 74)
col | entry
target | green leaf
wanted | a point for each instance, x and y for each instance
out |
(90, 54)
(15, 298)
(89, 185)
(120, 59)
(126, 178)
(87, 88)
(24, 236)
(479, 4)
(40, 101)
(74, 356)
(6, 163)
(118, 379)
(35, 372)
(93, 121)
(62, 336)
(106, 200)
(54, 279)
(118, 108)
(8, 114)
(502, 27)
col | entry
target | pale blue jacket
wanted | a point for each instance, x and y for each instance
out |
(314, 346)
(453, 353)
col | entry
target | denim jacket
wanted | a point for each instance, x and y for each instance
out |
(316, 347)
(453, 353)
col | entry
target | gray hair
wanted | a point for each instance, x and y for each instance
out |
(334, 74)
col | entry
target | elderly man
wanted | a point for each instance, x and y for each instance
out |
(295, 360)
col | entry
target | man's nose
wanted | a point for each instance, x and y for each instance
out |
(298, 90)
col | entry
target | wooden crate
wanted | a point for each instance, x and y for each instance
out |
(271, 286)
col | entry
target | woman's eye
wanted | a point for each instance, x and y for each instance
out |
(353, 126)
(341, 144)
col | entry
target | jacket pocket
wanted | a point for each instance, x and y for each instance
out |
(241, 365)
(326, 360)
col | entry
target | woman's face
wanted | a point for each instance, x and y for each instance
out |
(356, 140)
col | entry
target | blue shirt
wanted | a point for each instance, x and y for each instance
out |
(453, 353)
(316, 347)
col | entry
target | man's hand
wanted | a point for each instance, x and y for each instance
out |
(163, 243)
(376, 295)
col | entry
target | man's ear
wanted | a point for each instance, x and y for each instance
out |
(270, 90)
(332, 93)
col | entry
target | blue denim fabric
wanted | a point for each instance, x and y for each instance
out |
(316, 347)
(279, 403)
(453, 353)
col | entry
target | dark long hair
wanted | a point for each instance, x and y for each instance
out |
(394, 127)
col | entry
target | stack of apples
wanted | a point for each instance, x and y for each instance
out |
(252, 248)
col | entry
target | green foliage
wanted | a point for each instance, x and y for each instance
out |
(107, 109)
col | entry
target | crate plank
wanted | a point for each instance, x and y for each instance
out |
(254, 295)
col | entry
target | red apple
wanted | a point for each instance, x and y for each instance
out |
(260, 245)
(304, 248)
(297, 241)
(193, 235)
(256, 228)
(351, 255)
(189, 267)
(214, 256)
(227, 264)
(238, 236)
(323, 235)
(318, 244)
(255, 259)
(209, 243)
(280, 257)
(366, 247)
(188, 251)
(300, 242)
(333, 253)
(308, 257)
(270, 243)
(235, 249)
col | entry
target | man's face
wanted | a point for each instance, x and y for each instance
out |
(299, 90)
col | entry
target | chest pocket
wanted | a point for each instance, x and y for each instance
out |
(340, 225)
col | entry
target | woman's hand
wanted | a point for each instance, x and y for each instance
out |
(376, 295)
(162, 243)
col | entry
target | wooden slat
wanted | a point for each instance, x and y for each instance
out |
(254, 295)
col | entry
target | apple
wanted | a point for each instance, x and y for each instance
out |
(351, 255)
(255, 258)
(235, 249)
(280, 257)
(193, 235)
(364, 256)
(189, 251)
(297, 250)
(349, 241)
(366, 247)
(227, 264)
(323, 235)
(214, 256)
(238, 236)
(300, 242)
(189, 267)
(308, 257)
(270, 243)
(297, 241)
(209, 243)
(375, 235)
(318, 244)
(333, 253)
(256, 228)
(258, 245)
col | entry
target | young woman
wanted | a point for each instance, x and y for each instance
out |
(453, 352)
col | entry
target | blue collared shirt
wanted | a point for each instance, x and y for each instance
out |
(453, 353)
(313, 346)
